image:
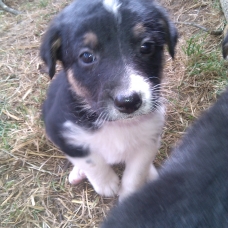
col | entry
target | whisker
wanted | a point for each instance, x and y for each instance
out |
(101, 119)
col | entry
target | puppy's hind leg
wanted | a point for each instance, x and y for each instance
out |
(99, 173)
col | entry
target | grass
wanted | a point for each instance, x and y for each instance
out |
(43, 3)
(5, 128)
(205, 61)
(216, 5)
(34, 188)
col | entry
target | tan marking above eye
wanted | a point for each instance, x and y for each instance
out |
(90, 39)
(139, 29)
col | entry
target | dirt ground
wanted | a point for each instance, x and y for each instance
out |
(34, 188)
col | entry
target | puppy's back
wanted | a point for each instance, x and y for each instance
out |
(192, 190)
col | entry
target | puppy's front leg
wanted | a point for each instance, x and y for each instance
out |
(76, 175)
(99, 173)
(139, 168)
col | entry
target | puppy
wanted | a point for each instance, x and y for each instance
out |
(192, 188)
(104, 107)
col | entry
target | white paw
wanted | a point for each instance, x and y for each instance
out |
(106, 185)
(130, 184)
(76, 176)
(125, 192)
(152, 174)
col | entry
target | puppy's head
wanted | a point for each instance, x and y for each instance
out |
(112, 52)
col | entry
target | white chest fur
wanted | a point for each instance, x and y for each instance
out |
(133, 141)
(118, 140)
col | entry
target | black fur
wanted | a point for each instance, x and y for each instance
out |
(192, 190)
(225, 45)
(86, 15)
(60, 106)
(64, 41)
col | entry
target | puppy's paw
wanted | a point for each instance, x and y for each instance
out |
(152, 174)
(124, 193)
(108, 185)
(76, 176)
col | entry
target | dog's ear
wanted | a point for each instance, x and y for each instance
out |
(225, 44)
(171, 33)
(171, 37)
(50, 50)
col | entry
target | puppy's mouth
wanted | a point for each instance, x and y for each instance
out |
(127, 112)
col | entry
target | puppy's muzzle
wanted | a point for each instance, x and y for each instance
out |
(128, 103)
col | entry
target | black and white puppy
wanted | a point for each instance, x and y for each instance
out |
(104, 107)
(192, 188)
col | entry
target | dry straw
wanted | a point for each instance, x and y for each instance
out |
(34, 188)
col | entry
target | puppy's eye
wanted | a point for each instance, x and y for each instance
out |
(147, 48)
(87, 57)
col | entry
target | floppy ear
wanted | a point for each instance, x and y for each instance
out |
(225, 44)
(171, 37)
(50, 50)
(170, 31)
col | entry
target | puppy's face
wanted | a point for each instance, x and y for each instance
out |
(112, 52)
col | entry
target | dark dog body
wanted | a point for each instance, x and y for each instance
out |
(192, 188)
(104, 107)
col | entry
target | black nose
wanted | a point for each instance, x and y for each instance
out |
(128, 104)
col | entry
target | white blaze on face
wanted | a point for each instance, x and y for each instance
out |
(139, 85)
(142, 86)
(112, 6)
